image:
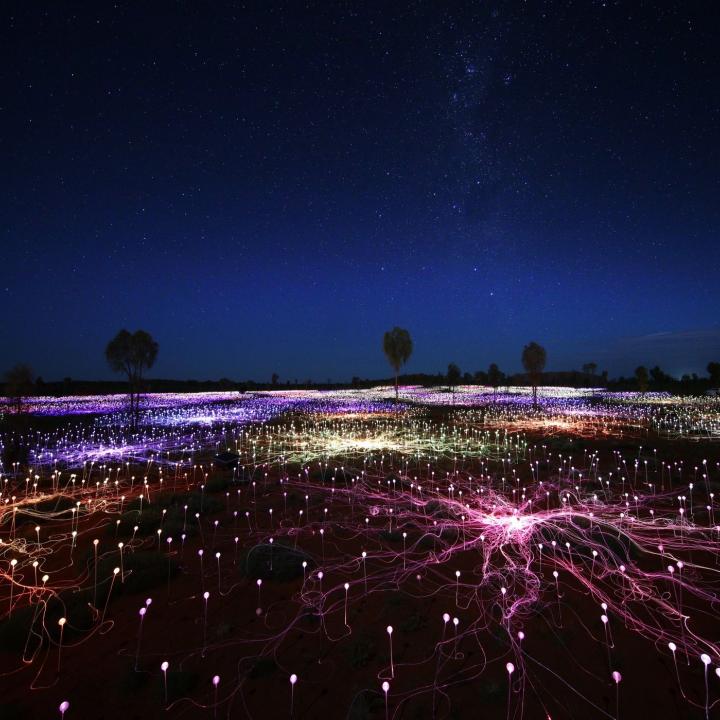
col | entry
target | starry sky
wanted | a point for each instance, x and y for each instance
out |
(267, 187)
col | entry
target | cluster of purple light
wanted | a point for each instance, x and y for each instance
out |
(180, 427)
(100, 404)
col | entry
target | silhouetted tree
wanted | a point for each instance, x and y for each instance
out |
(453, 376)
(275, 378)
(589, 368)
(659, 377)
(397, 346)
(19, 382)
(641, 376)
(533, 360)
(495, 377)
(131, 354)
(713, 369)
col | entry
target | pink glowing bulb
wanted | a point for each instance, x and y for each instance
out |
(293, 680)
(164, 668)
(216, 680)
(510, 668)
(64, 706)
(392, 665)
(616, 676)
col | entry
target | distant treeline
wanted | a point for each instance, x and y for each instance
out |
(657, 381)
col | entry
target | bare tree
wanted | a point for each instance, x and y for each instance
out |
(131, 354)
(533, 360)
(397, 346)
(453, 376)
(19, 382)
(495, 377)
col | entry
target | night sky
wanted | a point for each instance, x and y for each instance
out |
(267, 188)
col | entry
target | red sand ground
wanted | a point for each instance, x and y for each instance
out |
(97, 676)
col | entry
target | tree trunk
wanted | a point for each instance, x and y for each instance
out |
(131, 389)
(138, 384)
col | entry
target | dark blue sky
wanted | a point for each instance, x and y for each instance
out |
(269, 188)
